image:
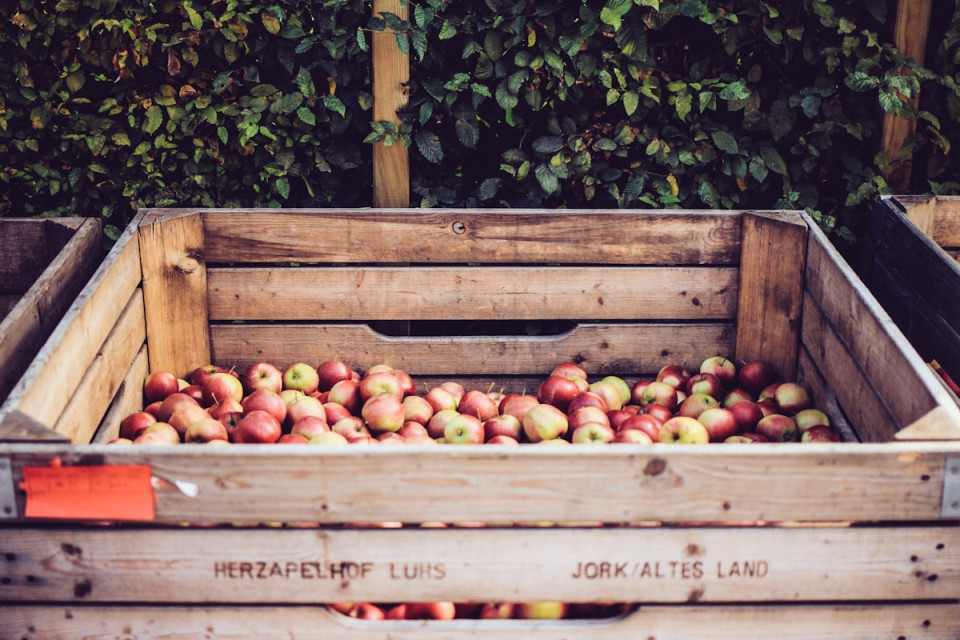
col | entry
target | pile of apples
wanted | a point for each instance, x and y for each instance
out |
(332, 404)
(546, 610)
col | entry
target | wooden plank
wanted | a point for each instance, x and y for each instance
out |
(129, 399)
(23, 244)
(809, 375)
(175, 292)
(937, 621)
(471, 293)
(625, 483)
(7, 302)
(82, 415)
(42, 306)
(17, 427)
(650, 565)
(456, 236)
(599, 348)
(910, 37)
(77, 339)
(898, 374)
(391, 73)
(771, 286)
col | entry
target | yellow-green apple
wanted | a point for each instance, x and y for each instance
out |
(610, 393)
(621, 386)
(464, 429)
(676, 375)
(347, 393)
(636, 392)
(586, 415)
(262, 375)
(540, 610)
(738, 394)
(158, 385)
(756, 375)
(706, 383)
(455, 388)
(290, 395)
(159, 433)
(302, 377)
(349, 427)
(720, 423)
(646, 423)
(592, 433)
(558, 391)
(697, 403)
(807, 418)
(632, 436)
(554, 441)
(308, 426)
(257, 427)
(519, 406)
(503, 439)
(302, 407)
(329, 438)
(569, 370)
(134, 424)
(417, 409)
(821, 433)
(792, 397)
(660, 393)
(778, 428)
(379, 382)
(441, 399)
(723, 368)
(683, 430)
(544, 422)
(438, 423)
(272, 403)
(205, 430)
(505, 425)
(220, 386)
(478, 404)
(587, 399)
(330, 372)
(186, 415)
(747, 414)
(383, 412)
(769, 392)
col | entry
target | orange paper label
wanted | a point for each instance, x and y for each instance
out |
(114, 492)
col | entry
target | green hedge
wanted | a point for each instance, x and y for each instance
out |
(109, 105)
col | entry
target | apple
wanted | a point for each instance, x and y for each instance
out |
(744, 438)
(683, 430)
(756, 375)
(186, 415)
(346, 393)
(398, 612)
(119, 440)
(618, 417)
(505, 425)
(755, 437)
(411, 429)
(158, 385)
(544, 422)
(308, 426)
(334, 412)
(380, 382)
(657, 411)
(271, 402)
(193, 391)
(610, 393)
(768, 392)
(632, 436)
(407, 386)
(441, 399)
(747, 414)
(478, 404)
(721, 367)
(659, 393)
(720, 423)
(153, 408)
(383, 412)
(329, 438)
(349, 427)
(390, 438)
(438, 423)
(503, 439)
(587, 399)
(736, 395)
(262, 375)
(496, 611)
(636, 393)
(540, 610)
(696, 404)
(302, 377)
(159, 433)
(135, 423)
(453, 388)
(302, 407)
(821, 433)
(621, 386)
(646, 423)
(807, 418)
(362, 438)
(330, 372)
(557, 391)
(675, 375)
(416, 409)
(200, 374)
(519, 406)
(778, 428)
(367, 611)
(586, 415)
(205, 430)
(430, 611)
(257, 427)
(792, 397)
(593, 433)
(569, 370)
(220, 386)
(706, 383)
(293, 438)
(464, 429)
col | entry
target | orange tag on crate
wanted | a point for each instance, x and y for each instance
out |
(110, 492)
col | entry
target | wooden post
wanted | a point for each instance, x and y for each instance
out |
(910, 36)
(391, 72)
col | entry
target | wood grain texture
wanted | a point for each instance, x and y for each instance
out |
(25, 326)
(175, 292)
(770, 290)
(662, 622)
(17, 427)
(473, 293)
(128, 399)
(625, 483)
(874, 340)
(60, 363)
(599, 348)
(82, 415)
(391, 73)
(456, 236)
(649, 565)
(23, 243)
(809, 375)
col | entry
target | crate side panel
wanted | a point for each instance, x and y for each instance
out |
(474, 293)
(129, 399)
(599, 348)
(23, 243)
(464, 235)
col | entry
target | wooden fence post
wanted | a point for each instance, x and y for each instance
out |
(391, 72)
(910, 36)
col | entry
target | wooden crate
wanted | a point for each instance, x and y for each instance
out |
(861, 539)
(43, 265)
(915, 274)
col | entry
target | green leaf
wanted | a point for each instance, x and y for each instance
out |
(605, 144)
(488, 188)
(773, 160)
(468, 133)
(447, 31)
(725, 141)
(362, 40)
(333, 103)
(684, 105)
(306, 116)
(630, 102)
(547, 180)
(75, 81)
(283, 187)
(154, 119)
(861, 81)
(758, 169)
(429, 146)
(781, 119)
(270, 23)
(548, 144)
(120, 139)
(221, 133)
(735, 91)
(287, 103)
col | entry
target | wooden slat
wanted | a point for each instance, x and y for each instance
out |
(600, 348)
(82, 415)
(17, 427)
(771, 285)
(7, 302)
(824, 398)
(617, 483)
(60, 364)
(42, 306)
(391, 73)
(459, 236)
(129, 399)
(175, 292)
(650, 565)
(23, 244)
(472, 293)
(899, 375)
(661, 622)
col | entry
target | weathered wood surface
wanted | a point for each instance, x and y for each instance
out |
(809, 374)
(878, 346)
(128, 399)
(770, 289)
(599, 348)
(175, 292)
(26, 249)
(75, 342)
(462, 236)
(662, 622)
(650, 565)
(624, 483)
(391, 73)
(473, 293)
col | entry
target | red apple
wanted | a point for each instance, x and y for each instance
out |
(706, 383)
(309, 426)
(569, 370)
(380, 382)
(659, 393)
(454, 388)
(350, 427)
(464, 429)
(441, 399)
(696, 404)
(334, 412)
(587, 415)
(632, 436)
(737, 395)
(330, 372)
(496, 611)
(756, 375)
(557, 391)
(505, 425)
(503, 439)
(519, 406)
(257, 427)
(158, 433)
(721, 367)
(621, 386)
(675, 375)
(412, 429)
(683, 430)
(792, 397)
(220, 386)
(134, 424)
(205, 430)
(544, 422)
(592, 433)
(778, 428)
(199, 375)
(587, 399)
(416, 409)
(407, 386)
(657, 411)
(186, 415)
(293, 438)
(648, 424)
(478, 404)
(821, 433)
(194, 392)
(807, 418)
(302, 377)
(383, 412)
(636, 393)
(438, 423)
(347, 393)
(262, 375)
(153, 408)
(618, 417)
(610, 392)
(159, 385)
(430, 611)
(271, 402)
(747, 414)
(720, 423)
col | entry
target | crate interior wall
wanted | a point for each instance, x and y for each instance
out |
(915, 273)
(45, 264)
(870, 527)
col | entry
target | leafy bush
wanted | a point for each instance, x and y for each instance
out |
(107, 106)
